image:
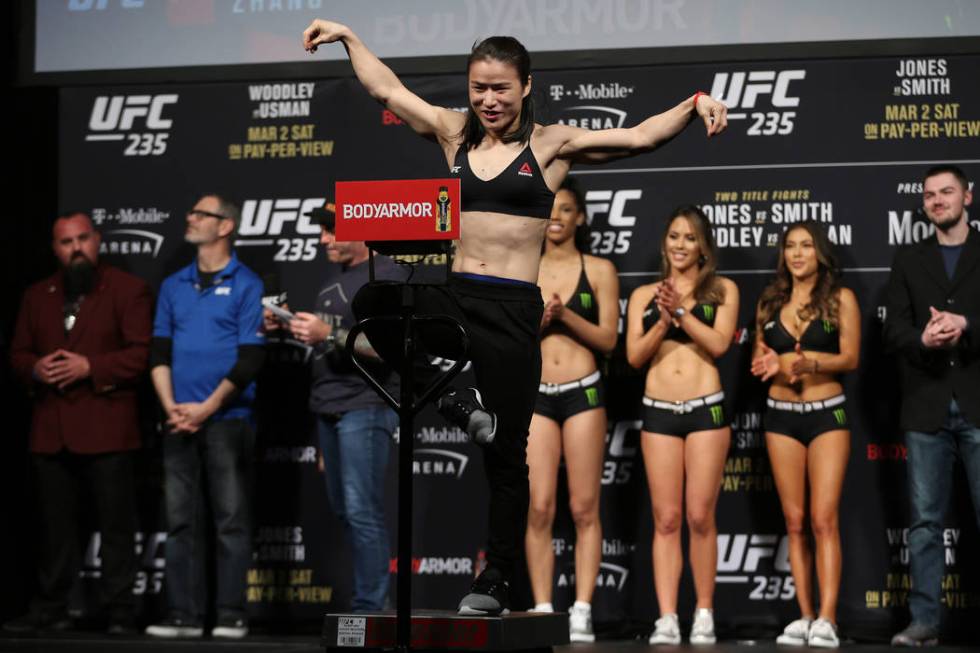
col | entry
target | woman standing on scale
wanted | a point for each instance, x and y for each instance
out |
(680, 325)
(509, 167)
(808, 331)
(581, 313)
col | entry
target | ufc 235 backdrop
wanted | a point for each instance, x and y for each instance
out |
(842, 142)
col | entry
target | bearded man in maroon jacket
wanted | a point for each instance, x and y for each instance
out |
(81, 346)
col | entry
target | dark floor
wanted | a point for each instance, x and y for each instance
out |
(310, 644)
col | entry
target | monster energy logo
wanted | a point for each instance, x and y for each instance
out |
(585, 299)
(840, 416)
(828, 327)
(716, 415)
(592, 394)
(709, 311)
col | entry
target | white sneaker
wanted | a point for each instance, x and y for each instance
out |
(823, 634)
(795, 634)
(703, 630)
(580, 623)
(666, 630)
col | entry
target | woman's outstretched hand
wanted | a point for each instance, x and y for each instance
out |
(713, 112)
(322, 31)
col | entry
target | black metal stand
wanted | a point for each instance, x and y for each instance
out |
(407, 407)
(427, 630)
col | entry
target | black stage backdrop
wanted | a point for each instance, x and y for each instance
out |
(844, 142)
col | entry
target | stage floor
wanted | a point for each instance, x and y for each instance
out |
(310, 644)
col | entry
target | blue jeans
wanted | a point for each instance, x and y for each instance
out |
(930, 467)
(355, 455)
(216, 462)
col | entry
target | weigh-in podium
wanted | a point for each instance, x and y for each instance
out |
(417, 218)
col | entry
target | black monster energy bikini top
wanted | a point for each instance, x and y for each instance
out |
(518, 190)
(582, 302)
(820, 335)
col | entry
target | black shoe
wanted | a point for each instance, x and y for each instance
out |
(488, 595)
(175, 628)
(230, 628)
(464, 408)
(33, 622)
(917, 635)
(122, 628)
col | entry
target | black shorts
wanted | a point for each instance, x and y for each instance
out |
(682, 418)
(805, 420)
(561, 401)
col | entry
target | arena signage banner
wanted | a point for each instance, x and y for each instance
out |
(841, 142)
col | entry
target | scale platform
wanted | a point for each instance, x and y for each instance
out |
(447, 630)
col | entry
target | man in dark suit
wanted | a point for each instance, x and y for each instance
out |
(81, 344)
(933, 318)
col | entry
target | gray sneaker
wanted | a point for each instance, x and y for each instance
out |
(917, 635)
(488, 595)
(464, 408)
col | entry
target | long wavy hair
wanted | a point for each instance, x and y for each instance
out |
(824, 301)
(707, 288)
(508, 50)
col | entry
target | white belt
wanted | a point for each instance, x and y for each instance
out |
(552, 389)
(688, 406)
(806, 406)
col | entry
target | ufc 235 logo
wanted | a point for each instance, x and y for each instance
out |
(612, 204)
(140, 119)
(743, 90)
(740, 556)
(267, 217)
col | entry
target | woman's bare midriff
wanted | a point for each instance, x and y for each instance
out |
(810, 387)
(564, 359)
(681, 371)
(500, 245)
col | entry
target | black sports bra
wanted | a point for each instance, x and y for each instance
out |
(705, 313)
(519, 189)
(583, 300)
(820, 335)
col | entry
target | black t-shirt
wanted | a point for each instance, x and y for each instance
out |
(336, 392)
(951, 256)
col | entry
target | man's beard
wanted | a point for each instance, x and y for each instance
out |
(946, 224)
(79, 276)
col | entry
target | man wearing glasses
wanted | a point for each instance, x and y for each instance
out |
(206, 351)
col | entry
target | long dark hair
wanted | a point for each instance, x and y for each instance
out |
(508, 50)
(581, 231)
(824, 301)
(707, 289)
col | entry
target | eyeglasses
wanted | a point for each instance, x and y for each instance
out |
(197, 213)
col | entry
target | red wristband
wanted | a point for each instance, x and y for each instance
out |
(696, 96)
